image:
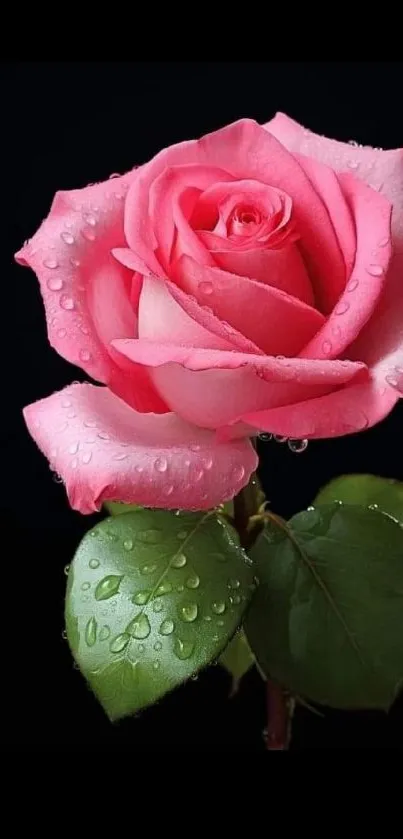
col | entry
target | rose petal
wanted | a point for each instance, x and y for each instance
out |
(353, 408)
(214, 387)
(247, 151)
(110, 452)
(258, 311)
(372, 213)
(70, 254)
(162, 319)
(380, 343)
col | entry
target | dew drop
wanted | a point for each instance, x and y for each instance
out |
(233, 583)
(148, 569)
(264, 437)
(189, 612)
(151, 536)
(169, 489)
(182, 534)
(86, 457)
(90, 424)
(94, 563)
(352, 285)
(73, 448)
(141, 597)
(91, 632)
(207, 618)
(128, 544)
(391, 380)
(183, 649)
(279, 438)
(85, 355)
(198, 474)
(67, 237)
(88, 234)
(326, 347)
(163, 588)
(75, 262)
(66, 569)
(375, 270)
(297, 446)
(103, 435)
(218, 607)
(157, 606)
(167, 627)
(178, 561)
(193, 581)
(156, 664)
(89, 219)
(157, 646)
(62, 333)
(383, 242)
(161, 464)
(51, 263)
(139, 627)
(336, 331)
(119, 643)
(108, 586)
(85, 586)
(66, 403)
(139, 469)
(67, 302)
(206, 287)
(235, 599)
(54, 283)
(238, 473)
(208, 463)
(352, 164)
(341, 308)
(104, 633)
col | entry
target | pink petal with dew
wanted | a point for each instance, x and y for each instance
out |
(110, 452)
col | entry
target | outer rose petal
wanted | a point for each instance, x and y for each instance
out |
(380, 343)
(70, 254)
(212, 388)
(109, 451)
(372, 213)
(258, 311)
(245, 150)
(353, 408)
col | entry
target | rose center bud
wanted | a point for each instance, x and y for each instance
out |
(244, 221)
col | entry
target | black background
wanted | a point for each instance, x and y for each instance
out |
(66, 124)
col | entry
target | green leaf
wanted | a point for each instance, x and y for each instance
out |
(366, 490)
(237, 659)
(327, 618)
(152, 598)
(115, 508)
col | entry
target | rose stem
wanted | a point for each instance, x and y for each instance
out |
(280, 707)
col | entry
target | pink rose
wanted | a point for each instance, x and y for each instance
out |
(237, 283)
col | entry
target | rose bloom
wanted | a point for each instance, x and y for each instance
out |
(239, 283)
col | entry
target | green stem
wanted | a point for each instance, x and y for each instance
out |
(246, 505)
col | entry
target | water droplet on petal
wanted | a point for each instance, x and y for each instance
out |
(91, 632)
(66, 569)
(67, 302)
(391, 380)
(120, 456)
(352, 164)
(128, 544)
(193, 581)
(167, 627)
(183, 649)
(279, 438)
(103, 435)
(352, 285)
(73, 448)
(54, 283)
(164, 588)
(139, 627)
(383, 242)
(86, 457)
(189, 612)
(297, 446)
(206, 287)
(336, 331)
(85, 586)
(68, 238)
(88, 234)
(161, 464)
(238, 473)
(208, 463)
(139, 469)
(218, 607)
(85, 355)
(341, 308)
(90, 424)
(51, 263)
(94, 563)
(168, 490)
(104, 633)
(108, 586)
(89, 219)
(326, 347)
(375, 270)
(61, 333)
(265, 437)
(179, 561)
(119, 643)
(75, 262)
